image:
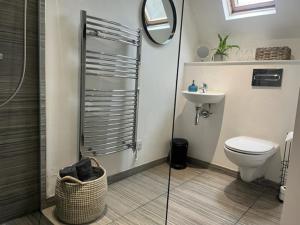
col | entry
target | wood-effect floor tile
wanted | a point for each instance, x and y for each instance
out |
(161, 174)
(266, 210)
(197, 197)
(106, 219)
(253, 219)
(140, 217)
(31, 219)
(133, 192)
(215, 208)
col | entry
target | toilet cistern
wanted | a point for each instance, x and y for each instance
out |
(201, 99)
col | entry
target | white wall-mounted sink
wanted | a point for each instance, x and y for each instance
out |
(199, 98)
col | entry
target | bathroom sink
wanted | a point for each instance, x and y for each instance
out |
(199, 98)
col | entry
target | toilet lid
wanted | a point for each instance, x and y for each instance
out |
(249, 145)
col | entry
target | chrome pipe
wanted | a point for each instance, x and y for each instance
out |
(109, 120)
(111, 100)
(112, 60)
(108, 106)
(113, 142)
(110, 111)
(96, 34)
(107, 125)
(110, 70)
(104, 137)
(102, 128)
(107, 97)
(111, 65)
(98, 90)
(101, 152)
(109, 115)
(112, 22)
(108, 139)
(110, 75)
(126, 37)
(122, 57)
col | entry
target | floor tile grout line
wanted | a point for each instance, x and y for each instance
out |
(139, 207)
(250, 207)
(156, 197)
(172, 189)
(179, 185)
(171, 178)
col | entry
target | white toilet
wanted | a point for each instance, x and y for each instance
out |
(250, 154)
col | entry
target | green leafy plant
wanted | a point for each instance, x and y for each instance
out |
(223, 46)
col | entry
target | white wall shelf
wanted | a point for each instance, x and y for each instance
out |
(254, 62)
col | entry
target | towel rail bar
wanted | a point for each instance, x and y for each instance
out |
(105, 117)
(111, 100)
(114, 134)
(111, 96)
(122, 57)
(108, 150)
(98, 90)
(108, 139)
(112, 65)
(106, 32)
(117, 61)
(93, 33)
(125, 140)
(104, 128)
(107, 125)
(109, 105)
(110, 70)
(111, 22)
(110, 75)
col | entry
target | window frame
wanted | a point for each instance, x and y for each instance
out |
(250, 12)
(157, 21)
(251, 7)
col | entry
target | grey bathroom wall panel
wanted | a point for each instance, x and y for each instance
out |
(11, 21)
(19, 120)
(44, 203)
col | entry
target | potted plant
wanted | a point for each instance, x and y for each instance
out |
(223, 48)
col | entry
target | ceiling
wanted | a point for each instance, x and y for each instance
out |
(210, 20)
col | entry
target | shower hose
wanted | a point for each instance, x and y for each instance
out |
(24, 60)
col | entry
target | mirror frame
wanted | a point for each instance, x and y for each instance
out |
(173, 28)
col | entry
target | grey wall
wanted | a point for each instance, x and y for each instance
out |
(19, 120)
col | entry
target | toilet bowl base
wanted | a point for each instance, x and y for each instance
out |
(249, 174)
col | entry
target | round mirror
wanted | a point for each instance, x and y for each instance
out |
(159, 20)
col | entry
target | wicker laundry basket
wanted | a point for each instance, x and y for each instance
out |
(273, 53)
(80, 202)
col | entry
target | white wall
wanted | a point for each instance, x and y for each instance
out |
(280, 29)
(189, 42)
(157, 83)
(290, 214)
(267, 113)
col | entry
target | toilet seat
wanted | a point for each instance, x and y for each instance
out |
(249, 145)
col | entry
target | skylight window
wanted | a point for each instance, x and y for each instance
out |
(237, 9)
(156, 13)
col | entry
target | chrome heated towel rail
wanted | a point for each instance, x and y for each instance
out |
(108, 116)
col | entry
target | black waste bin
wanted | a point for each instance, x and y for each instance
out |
(179, 153)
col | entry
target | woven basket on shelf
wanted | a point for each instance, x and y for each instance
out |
(273, 53)
(80, 202)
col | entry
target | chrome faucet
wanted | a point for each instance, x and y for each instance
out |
(203, 88)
